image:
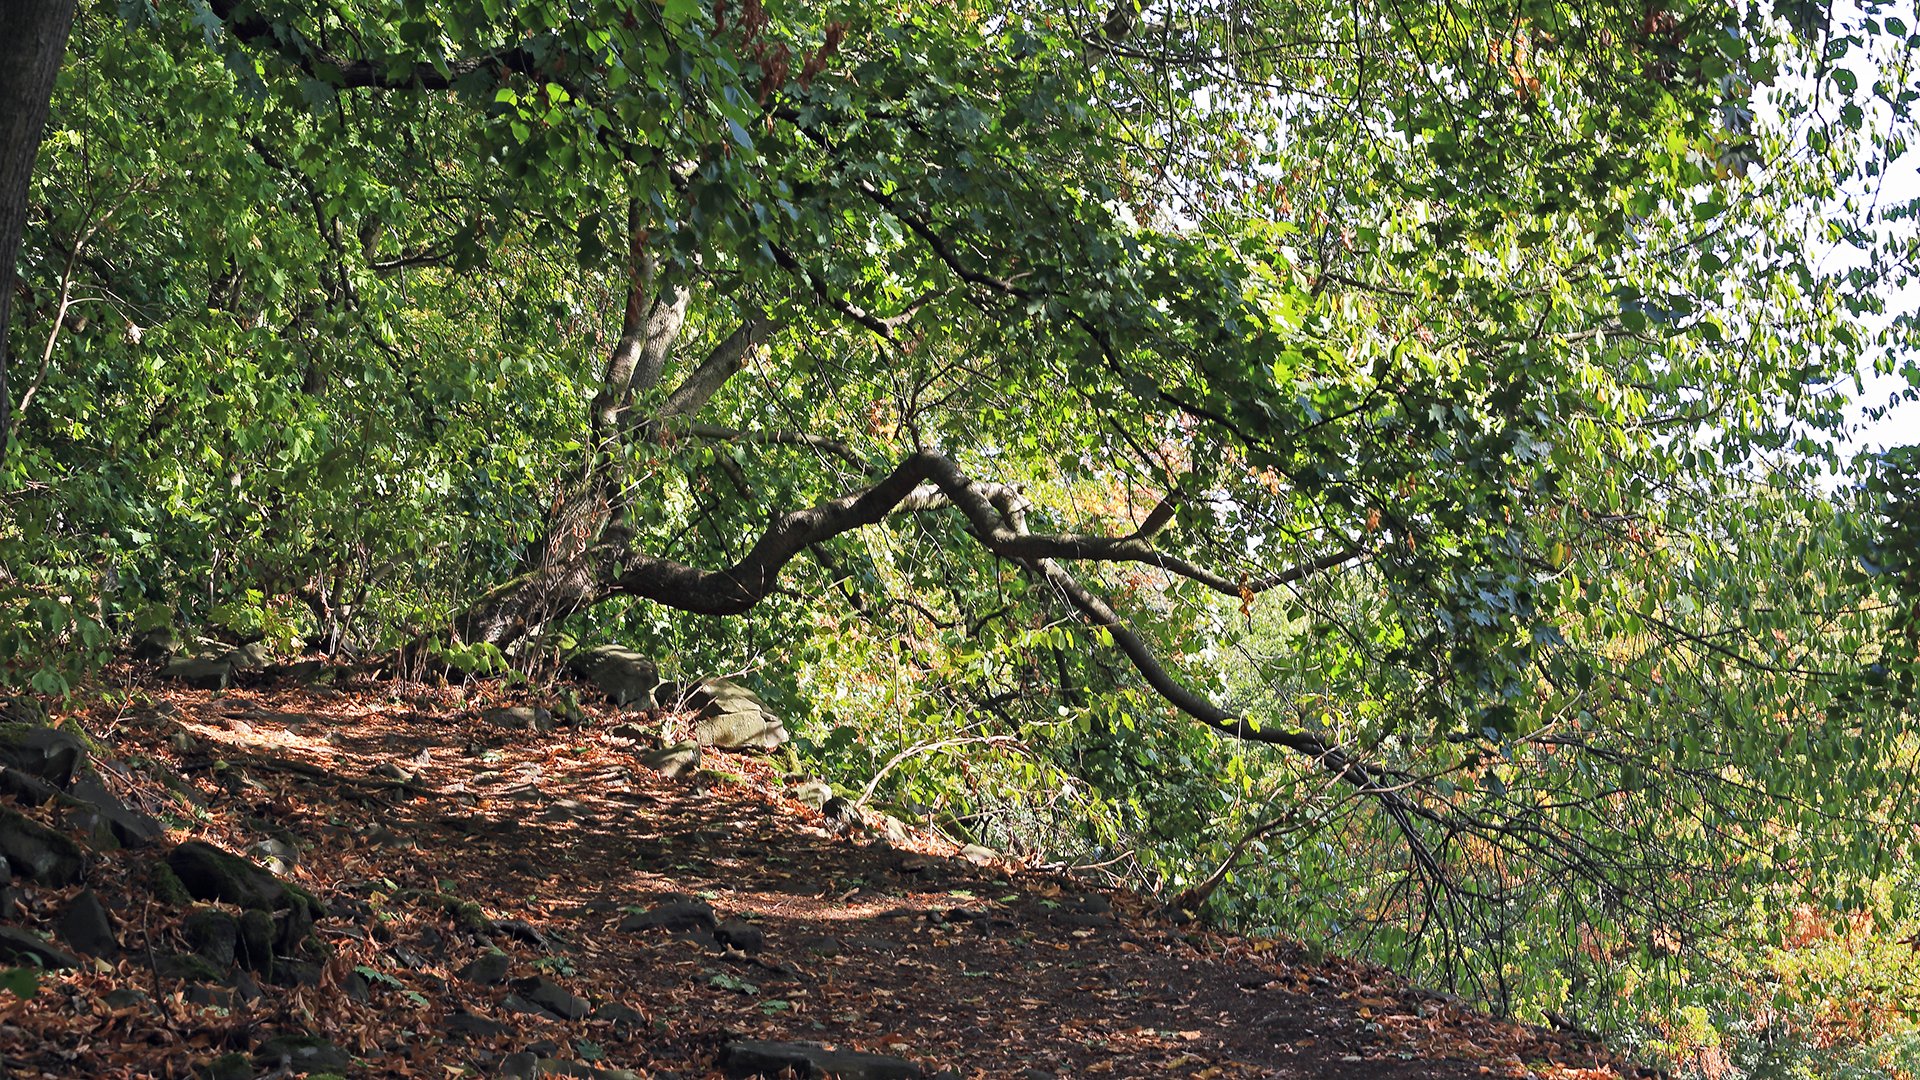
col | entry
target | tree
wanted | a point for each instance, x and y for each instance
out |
(35, 37)
(1425, 393)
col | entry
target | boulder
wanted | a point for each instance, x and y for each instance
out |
(553, 998)
(47, 753)
(740, 934)
(211, 874)
(520, 718)
(626, 677)
(729, 716)
(37, 853)
(814, 792)
(26, 787)
(673, 760)
(18, 945)
(748, 1057)
(200, 672)
(86, 926)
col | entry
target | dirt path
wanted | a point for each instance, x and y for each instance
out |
(406, 812)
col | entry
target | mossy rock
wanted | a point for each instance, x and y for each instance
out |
(212, 874)
(168, 887)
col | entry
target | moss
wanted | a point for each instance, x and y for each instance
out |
(168, 887)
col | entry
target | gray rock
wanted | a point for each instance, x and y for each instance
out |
(213, 935)
(620, 1016)
(746, 1058)
(130, 828)
(626, 677)
(18, 944)
(253, 656)
(520, 717)
(255, 948)
(729, 716)
(488, 969)
(466, 1023)
(630, 732)
(979, 855)
(740, 934)
(124, 997)
(813, 792)
(48, 753)
(518, 1066)
(211, 874)
(86, 926)
(37, 853)
(676, 916)
(155, 644)
(301, 1053)
(187, 966)
(673, 760)
(26, 787)
(230, 1067)
(200, 672)
(277, 855)
(553, 997)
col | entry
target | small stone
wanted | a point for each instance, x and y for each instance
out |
(749, 1058)
(37, 853)
(814, 793)
(213, 935)
(740, 934)
(677, 916)
(554, 998)
(18, 944)
(124, 998)
(199, 672)
(466, 1023)
(673, 761)
(86, 926)
(488, 969)
(302, 1053)
(620, 1016)
(520, 718)
(979, 855)
(230, 1067)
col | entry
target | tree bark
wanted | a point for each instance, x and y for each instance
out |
(33, 39)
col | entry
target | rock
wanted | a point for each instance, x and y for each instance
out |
(48, 753)
(95, 830)
(466, 1023)
(842, 815)
(553, 997)
(301, 1053)
(253, 656)
(814, 792)
(26, 787)
(200, 672)
(131, 828)
(301, 672)
(124, 998)
(620, 1016)
(37, 853)
(673, 760)
(187, 966)
(630, 732)
(746, 1058)
(18, 944)
(679, 916)
(740, 934)
(520, 718)
(156, 644)
(246, 987)
(213, 935)
(255, 947)
(895, 830)
(626, 677)
(488, 969)
(729, 716)
(979, 855)
(230, 1067)
(211, 874)
(521, 930)
(277, 855)
(518, 1066)
(86, 926)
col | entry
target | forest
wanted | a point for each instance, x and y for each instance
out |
(1426, 486)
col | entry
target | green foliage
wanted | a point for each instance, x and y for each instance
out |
(1469, 381)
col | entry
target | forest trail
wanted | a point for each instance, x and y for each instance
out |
(590, 954)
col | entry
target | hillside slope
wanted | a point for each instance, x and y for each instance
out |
(501, 901)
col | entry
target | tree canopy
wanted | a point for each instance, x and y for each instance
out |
(1389, 455)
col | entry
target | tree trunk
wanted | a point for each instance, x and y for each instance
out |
(33, 38)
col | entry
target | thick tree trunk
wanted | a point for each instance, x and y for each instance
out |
(33, 39)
